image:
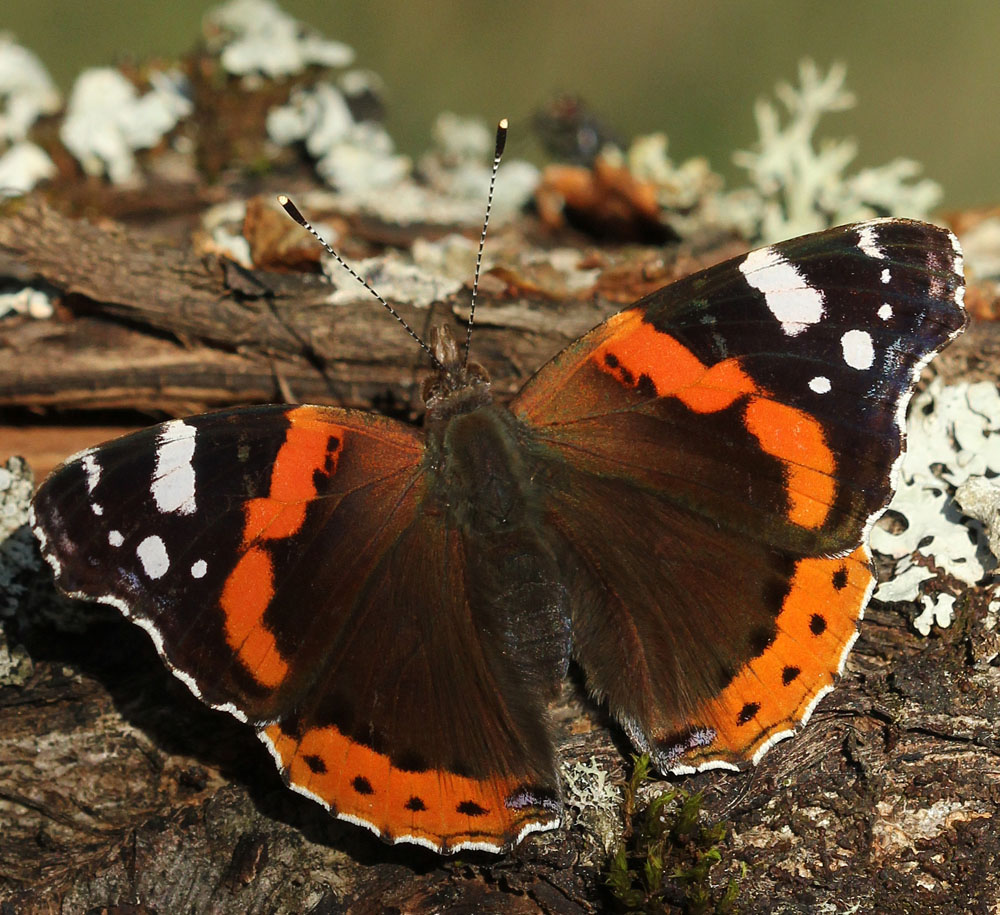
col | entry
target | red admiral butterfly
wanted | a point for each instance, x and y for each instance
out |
(679, 501)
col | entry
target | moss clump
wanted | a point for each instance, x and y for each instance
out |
(666, 856)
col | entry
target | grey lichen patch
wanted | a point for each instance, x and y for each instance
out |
(800, 185)
(396, 277)
(18, 556)
(358, 160)
(16, 666)
(594, 800)
(979, 498)
(953, 437)
(18, 560)
(353, 157)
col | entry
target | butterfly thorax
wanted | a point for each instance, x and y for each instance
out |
(457, 386)
(475, 451)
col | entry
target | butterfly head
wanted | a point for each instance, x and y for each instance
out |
(457, 386)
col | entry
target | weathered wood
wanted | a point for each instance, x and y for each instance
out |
(147, 325)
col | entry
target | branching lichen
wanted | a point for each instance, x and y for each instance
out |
(801, 182)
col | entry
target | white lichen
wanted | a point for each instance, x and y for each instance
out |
(939, 610)
(26, 90)
(108, 120)
(905, 582)
(257, 37)
(26, 94)
(34, 303)
(22, 166)
(800, 183)
(981, 245)
(358, 160)
(352, 157)
(953, 435)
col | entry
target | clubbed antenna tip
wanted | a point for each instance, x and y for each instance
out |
(292, 210)
(501, 138)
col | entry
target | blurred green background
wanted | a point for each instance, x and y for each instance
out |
(925, 73)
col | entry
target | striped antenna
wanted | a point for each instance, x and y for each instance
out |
(497, 155)
(292, 210)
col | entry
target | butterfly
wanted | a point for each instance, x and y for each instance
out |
(678, 502)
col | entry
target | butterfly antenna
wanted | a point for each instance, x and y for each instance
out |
(497, 155)
(292, 210)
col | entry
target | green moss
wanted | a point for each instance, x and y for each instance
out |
(666, 856)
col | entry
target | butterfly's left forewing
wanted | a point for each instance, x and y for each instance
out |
(288, 568)
(714, 457)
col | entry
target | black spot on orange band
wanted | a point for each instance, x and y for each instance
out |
(415, 804)
(817, 624)
(789, 674)
(362, 785)
(315, 763)
(748, 712)
(471, 809)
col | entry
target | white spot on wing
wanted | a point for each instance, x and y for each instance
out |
(858, 350)
(886, 275)
(97, 509)
(152, 554)
(199, 569)
(92, 469)
(885, 312)
(788, 296)
(820, 384)
(868, 242)
(115, 538)
(173, 486)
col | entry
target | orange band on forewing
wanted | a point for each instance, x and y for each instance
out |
(636, 348)
(796, 439)
(281, 513)
(305, 452)
(438, 807)
(245, 597)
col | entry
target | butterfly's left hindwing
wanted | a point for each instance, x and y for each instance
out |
(714, 457)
